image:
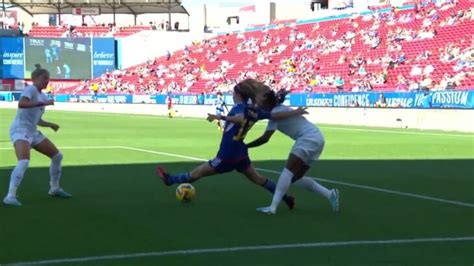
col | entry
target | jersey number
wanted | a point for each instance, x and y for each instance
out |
(246, 126)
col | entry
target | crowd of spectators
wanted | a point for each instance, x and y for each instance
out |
(363, 53)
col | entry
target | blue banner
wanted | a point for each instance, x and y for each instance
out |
(62, 98)
(6, 96)
(438, 99)
(89, 98)
(435, 100)
(12, 58)
(103, 56)
(187, 99)
(199, 99)
(452, 99)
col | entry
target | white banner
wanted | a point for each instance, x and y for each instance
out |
(85, 11)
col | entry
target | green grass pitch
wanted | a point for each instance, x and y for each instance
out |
(413, 186)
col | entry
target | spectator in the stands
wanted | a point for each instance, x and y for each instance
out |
(339, 82)
(426, 84)
(414, 85)
(402, 83)
(423, 56)
(428, 70)
(416, 70)
(447, 82)
(302, 70)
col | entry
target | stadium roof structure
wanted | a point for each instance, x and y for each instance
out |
(134, 7)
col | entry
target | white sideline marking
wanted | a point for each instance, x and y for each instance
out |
(459, 203)
(165, 153)
(245, 248)
(397, 131)
(78, 147)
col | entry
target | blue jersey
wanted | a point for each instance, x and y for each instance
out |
(232, 145)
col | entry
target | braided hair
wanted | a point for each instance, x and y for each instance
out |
(281, 96)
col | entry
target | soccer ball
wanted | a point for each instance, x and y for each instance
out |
(185, 192)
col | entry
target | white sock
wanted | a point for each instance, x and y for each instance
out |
(311, 185)
(17, 176)
(55, 170)
(284, 182)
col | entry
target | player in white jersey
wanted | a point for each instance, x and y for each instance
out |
(309, 144)
(24, 136)
(220, 105)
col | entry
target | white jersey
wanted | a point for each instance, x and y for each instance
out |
(220, 103)
(27, 119)
(294, 127)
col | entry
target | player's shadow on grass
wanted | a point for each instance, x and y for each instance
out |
(406, 175)
(337, 169)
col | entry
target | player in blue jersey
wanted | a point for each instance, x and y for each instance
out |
(221, 109)
(233, 153)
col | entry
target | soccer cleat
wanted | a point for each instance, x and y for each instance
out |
(334, 200)
(266, 210)
(290, 202)
(59, 193)
(164, 175)
(12, 201)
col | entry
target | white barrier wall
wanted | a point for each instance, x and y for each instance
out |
(448, 120)
(145, 45)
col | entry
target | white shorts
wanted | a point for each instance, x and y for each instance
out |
(309, 148)
(33, 139)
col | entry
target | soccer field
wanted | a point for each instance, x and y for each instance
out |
(407, 197)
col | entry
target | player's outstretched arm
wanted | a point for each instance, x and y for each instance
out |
(236, 119)
(284, 115)
(262, 139)
(53, 126)
(25, 103)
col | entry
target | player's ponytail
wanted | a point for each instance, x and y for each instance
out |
(38, 72)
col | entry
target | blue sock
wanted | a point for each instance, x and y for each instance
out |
(180, 178)
(271, 186)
